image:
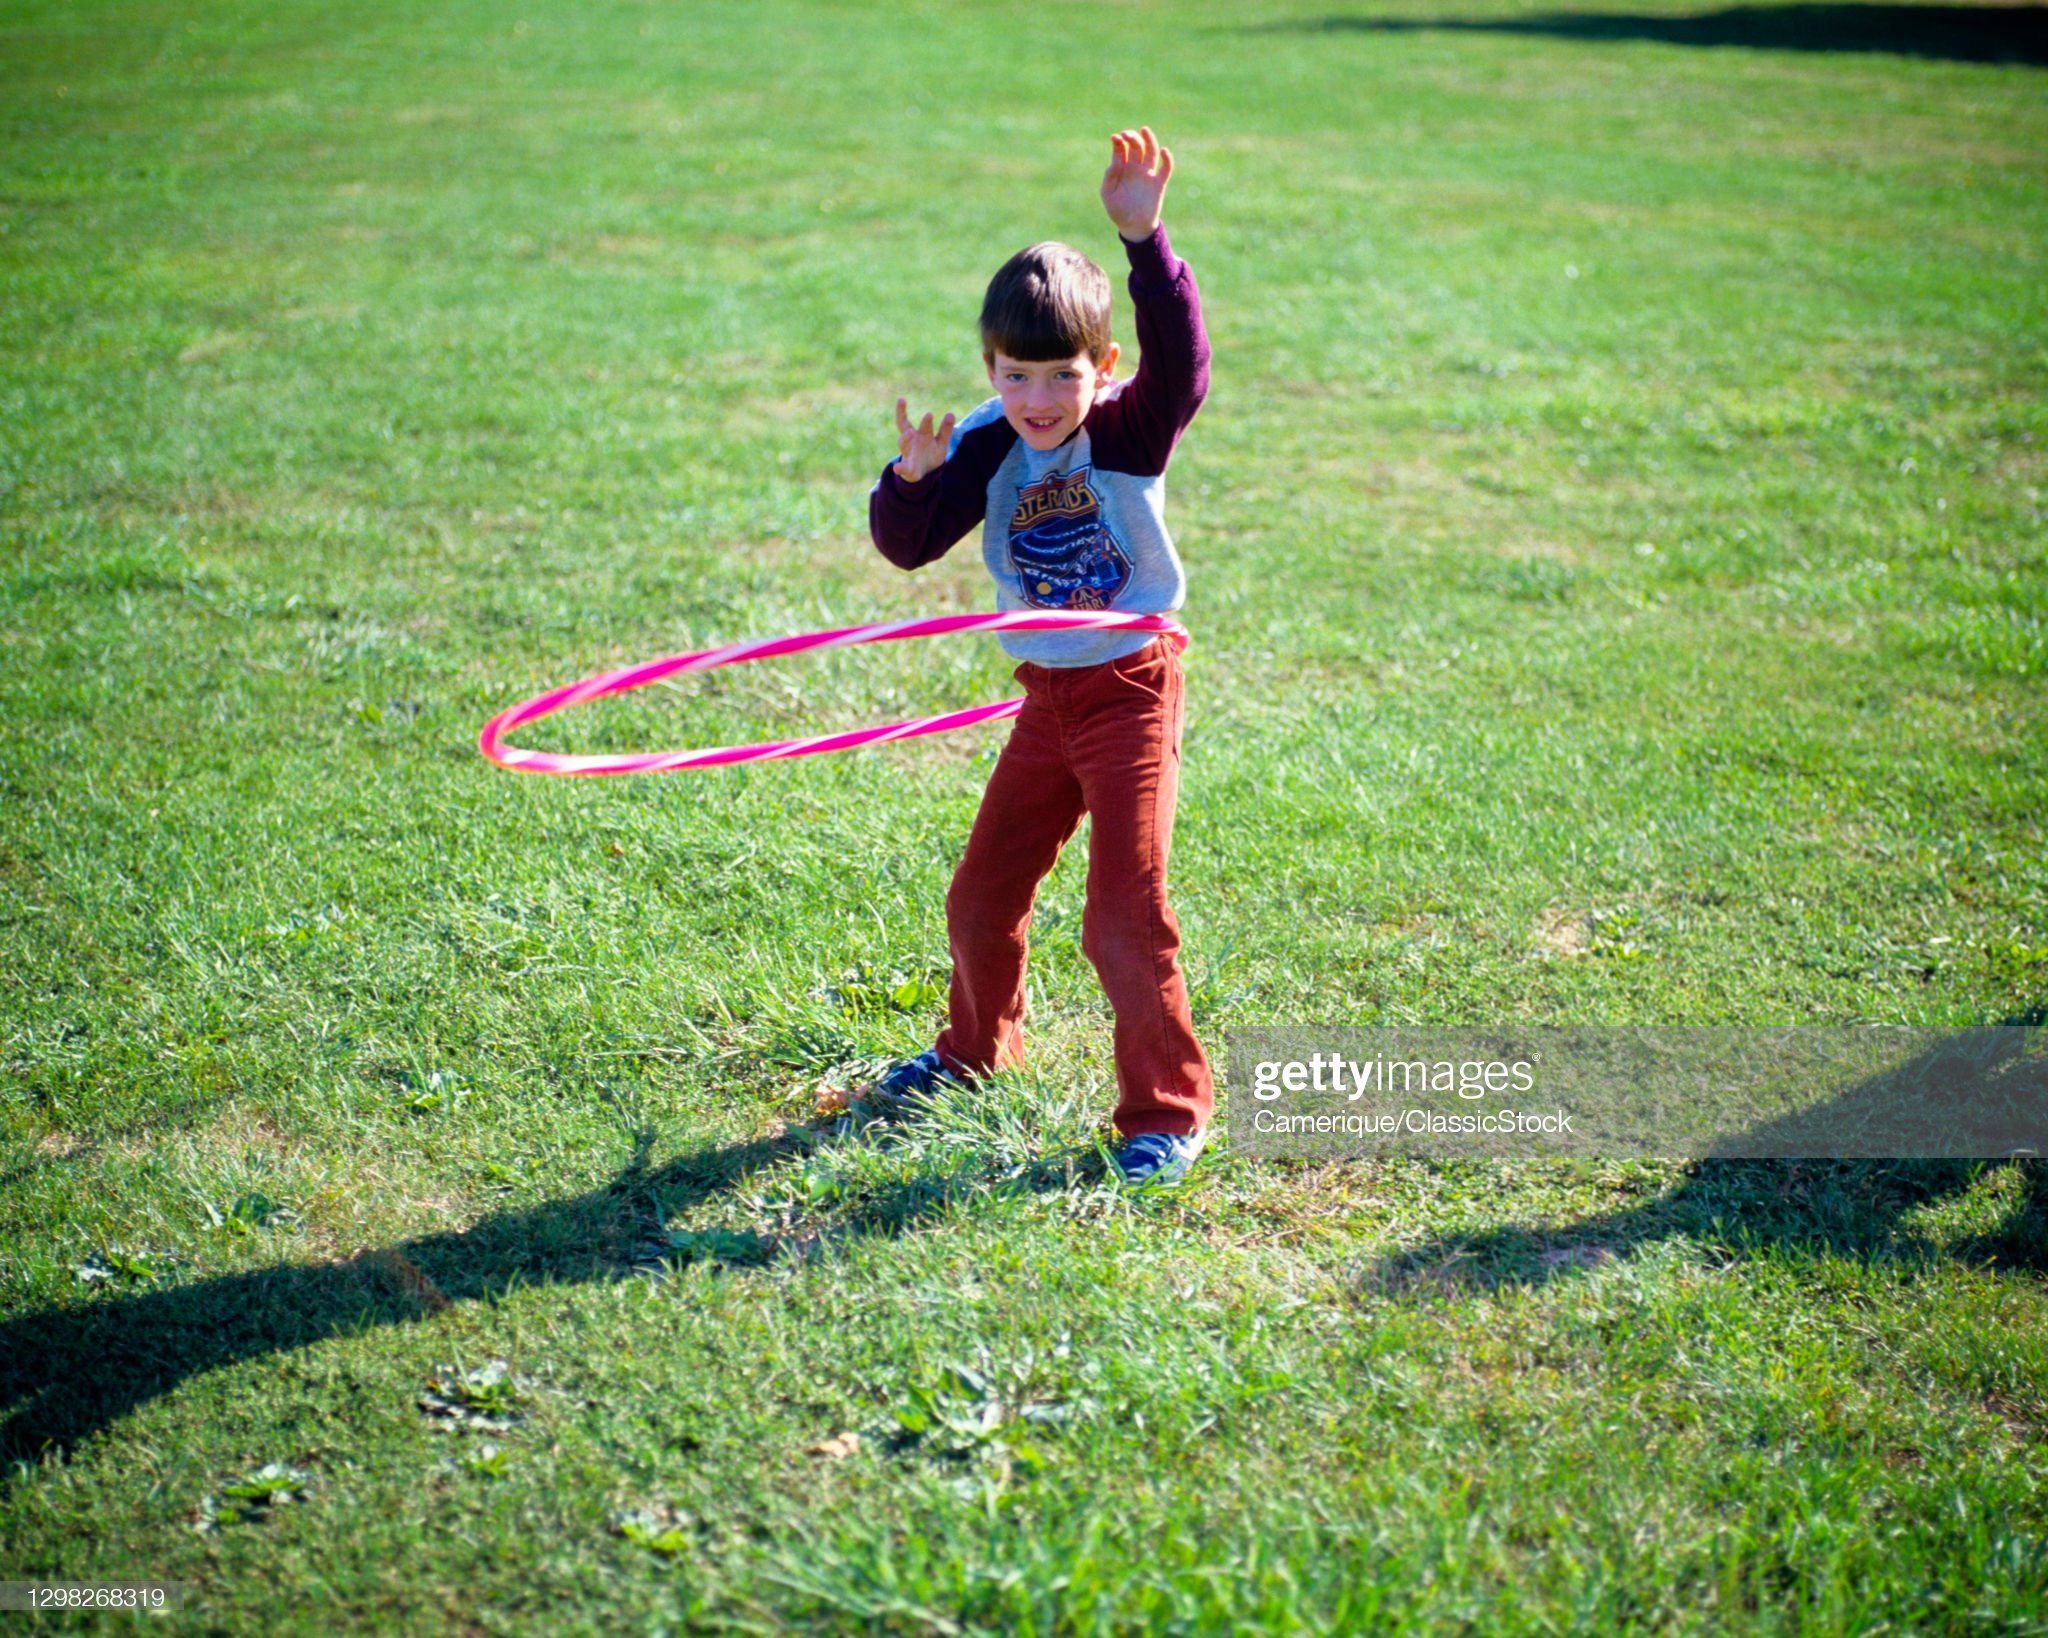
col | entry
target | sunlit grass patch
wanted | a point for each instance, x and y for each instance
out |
(1615, 587)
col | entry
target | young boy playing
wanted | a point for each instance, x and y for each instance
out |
(1065, 469)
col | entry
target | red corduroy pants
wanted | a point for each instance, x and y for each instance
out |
(1102, 740)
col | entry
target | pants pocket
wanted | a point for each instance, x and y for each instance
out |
(1148, 672)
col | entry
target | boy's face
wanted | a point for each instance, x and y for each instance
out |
(1046, 400)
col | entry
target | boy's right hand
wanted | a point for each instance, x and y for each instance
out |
(922, 448)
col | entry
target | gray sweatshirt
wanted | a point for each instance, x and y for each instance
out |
(1082, 526)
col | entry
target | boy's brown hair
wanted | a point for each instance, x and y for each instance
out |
(1046, 302)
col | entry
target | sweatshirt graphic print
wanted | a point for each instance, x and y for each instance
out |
(1063, 555)
(1082, 526)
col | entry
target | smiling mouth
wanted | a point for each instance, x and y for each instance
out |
(1041, 425)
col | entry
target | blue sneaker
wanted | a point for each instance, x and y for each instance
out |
(901, 1092)
(1158, 1159)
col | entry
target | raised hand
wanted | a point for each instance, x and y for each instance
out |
(921, 448)
(1135, 183)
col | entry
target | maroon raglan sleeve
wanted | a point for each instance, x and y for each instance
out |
(918, 523)
(1136, 430)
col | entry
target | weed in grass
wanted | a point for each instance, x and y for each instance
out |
(663, 1530)
(251, 1214)
(124, 1265)
(485, 1398)
(717, 1247)
(254, 1497)
(959, 1410)
(482, 1460)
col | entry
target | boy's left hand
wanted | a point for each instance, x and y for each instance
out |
(1135, 183)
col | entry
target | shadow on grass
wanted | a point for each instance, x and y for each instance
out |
(67, 1373)
(1851, 1208)
(1962, 34)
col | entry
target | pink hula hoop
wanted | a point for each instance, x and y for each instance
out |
(491, 740)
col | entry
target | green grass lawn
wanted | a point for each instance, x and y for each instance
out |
(1616, 549)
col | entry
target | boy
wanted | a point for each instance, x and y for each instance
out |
(1065, 468)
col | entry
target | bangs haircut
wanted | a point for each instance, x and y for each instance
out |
(1047, 302)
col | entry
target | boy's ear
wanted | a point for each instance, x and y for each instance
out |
(1106, 370)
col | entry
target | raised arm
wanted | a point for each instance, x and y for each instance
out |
(1147, 418)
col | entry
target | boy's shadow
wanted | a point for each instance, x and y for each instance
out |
(69, 1372)
(1853, 1208)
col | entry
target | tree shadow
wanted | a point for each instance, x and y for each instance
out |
(69, 1372)
(1975, 1082)
(1962, 34)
